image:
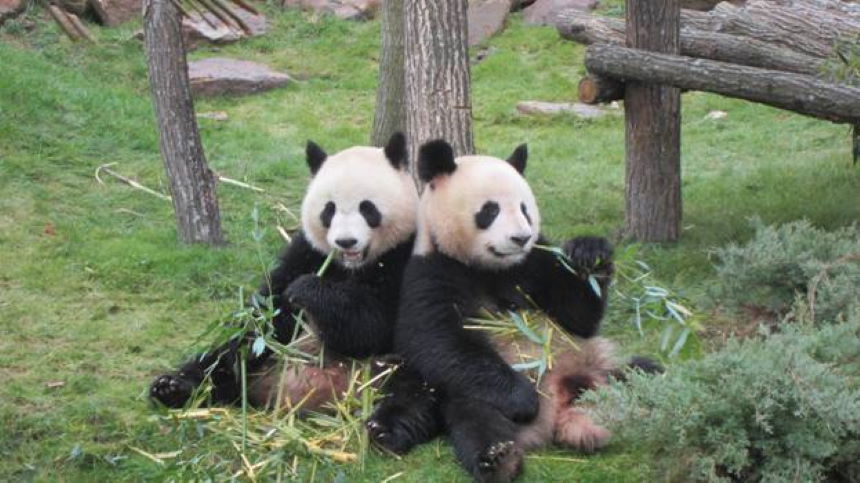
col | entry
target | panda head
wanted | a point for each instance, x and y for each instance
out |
(360, 201)
(478, 210)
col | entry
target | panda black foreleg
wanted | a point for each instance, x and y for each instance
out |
(176, 388)
(570, 298)
(484, 440)
(408, 413)
(350, 319)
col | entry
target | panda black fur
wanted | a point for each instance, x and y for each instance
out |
(361, 202)
(477, 224)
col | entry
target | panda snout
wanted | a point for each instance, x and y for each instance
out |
(346, 243)
(521, 240)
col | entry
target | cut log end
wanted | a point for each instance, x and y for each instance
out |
(597, 90)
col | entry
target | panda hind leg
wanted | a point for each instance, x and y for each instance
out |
(407, 415)
(484, 440)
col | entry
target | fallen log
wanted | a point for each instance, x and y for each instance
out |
(595, 89)
(589, 29)
(795, 92)
(802, 27)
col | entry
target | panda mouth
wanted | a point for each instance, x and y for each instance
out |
(499, 254)
(353, 257)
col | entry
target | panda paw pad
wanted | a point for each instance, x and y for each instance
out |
(501, 461)
(593, 254)
(170, 390)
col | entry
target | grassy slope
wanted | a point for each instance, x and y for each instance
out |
(96, 293)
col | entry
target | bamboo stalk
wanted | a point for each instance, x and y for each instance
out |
(59, 16)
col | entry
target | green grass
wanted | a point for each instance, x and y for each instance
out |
(97, 295)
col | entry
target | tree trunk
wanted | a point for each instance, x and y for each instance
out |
(192, 184)
(390, 115)
(653, 129)
(437, 75)
(795, 92)
(588, 29)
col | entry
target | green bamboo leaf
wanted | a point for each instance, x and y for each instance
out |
(524, 328)
(258, 346)
(595, 286)
(679, 344)
(664, 339)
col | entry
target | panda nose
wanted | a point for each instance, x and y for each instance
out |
(521, 240)
(346, 243)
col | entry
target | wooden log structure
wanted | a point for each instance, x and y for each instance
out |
(795, 92)
(808, 28)
(652, 115)
(589, 29)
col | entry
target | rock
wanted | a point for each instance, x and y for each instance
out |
(531, 108)
(486, 17)
(713, 115)
(115, 12)
(345, 9)
(544, 12)
(10, 8)
(214, 115)
(219, 75)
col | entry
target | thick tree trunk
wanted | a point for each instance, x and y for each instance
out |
(192, 184)
(653, 129)
(795, 92)
(437, 75)
(595, 89)
(588, 29)
(804, 27)
(390, 115)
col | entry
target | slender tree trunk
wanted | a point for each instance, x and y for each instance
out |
(390, 115)
(437, 75)
(192, 184)
(653, 134)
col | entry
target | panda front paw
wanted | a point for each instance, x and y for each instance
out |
(591, 254)
(171, 390)
(304, 290)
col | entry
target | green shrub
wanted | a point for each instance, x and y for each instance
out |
(785, 407)
(780, 262)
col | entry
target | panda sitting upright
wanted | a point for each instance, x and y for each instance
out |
(360, 203)
(478, 223)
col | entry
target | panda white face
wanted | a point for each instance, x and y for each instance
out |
(360, 203)
(480, 212)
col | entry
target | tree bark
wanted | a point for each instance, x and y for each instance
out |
(192, 184)
(653, 129)
(390, 115)
(795, 92)
(437, 75)
(806, 28)
(588, 29)
(595, 89)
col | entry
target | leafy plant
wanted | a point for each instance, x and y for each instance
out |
(782, 261)
(785, 407)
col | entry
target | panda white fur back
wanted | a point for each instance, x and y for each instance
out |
(360, 202)
(477, 225)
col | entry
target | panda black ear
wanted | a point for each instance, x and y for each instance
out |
(315, 156)
(435, 158)
(518, 158)
(395, 150)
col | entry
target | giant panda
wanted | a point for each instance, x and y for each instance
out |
(478, 224)
(360, 203)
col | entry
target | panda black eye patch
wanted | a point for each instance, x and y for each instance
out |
(371, 215)
(526, 213)
(327, 214)
(488, 213)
